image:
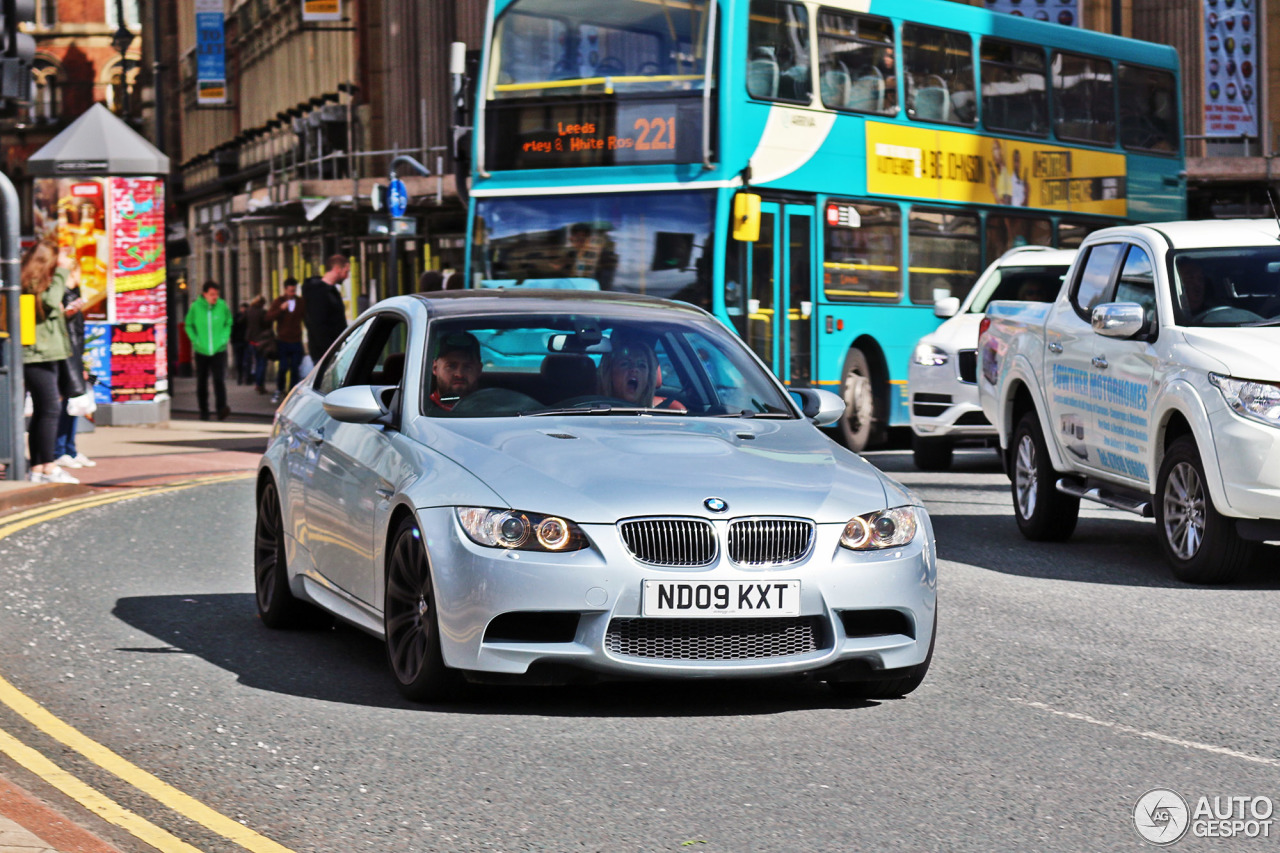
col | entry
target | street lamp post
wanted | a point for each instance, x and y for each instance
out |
(121, 41)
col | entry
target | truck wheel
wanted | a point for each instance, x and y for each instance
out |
(858, 391)
(1044, 514)
(931, 454)
(1199, 542)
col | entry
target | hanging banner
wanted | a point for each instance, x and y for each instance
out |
(1065, 12)
(137, 250)
(211, 53)
(1230, 97)
(321, 10)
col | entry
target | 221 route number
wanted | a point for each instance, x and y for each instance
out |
(722, 598)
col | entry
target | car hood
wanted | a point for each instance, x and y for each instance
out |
(1245, 353)
(599, 469)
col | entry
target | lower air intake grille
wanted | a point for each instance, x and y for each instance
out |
(967, 361)
(677, 542)
(713, 639)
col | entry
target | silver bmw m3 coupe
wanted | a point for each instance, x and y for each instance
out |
(551, 484)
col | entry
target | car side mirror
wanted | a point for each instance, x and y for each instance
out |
(821, 407)
(355, 404)
(1119, 319)
(947, 306)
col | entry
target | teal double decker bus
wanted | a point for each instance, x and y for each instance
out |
(821, 176)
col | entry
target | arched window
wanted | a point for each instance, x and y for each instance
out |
(46, 98)
(113, 81)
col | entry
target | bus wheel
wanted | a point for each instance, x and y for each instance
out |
(858, 391)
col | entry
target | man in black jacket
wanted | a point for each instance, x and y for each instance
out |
(325, 313)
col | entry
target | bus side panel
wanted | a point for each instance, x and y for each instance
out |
(1154, 189)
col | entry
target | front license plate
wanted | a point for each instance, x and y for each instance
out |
(722, 598)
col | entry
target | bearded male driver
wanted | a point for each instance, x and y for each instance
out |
(456, 369)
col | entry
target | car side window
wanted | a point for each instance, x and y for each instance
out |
(1138, 282)
(381, 359)
(1095, 278)
(334, 370)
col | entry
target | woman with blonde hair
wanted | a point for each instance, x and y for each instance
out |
(630, 371)
(44, 276)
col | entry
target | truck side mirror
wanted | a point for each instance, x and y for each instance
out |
(1119, 319)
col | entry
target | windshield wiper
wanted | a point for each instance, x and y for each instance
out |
(1274, 321)
(603, 410)
(747, 413)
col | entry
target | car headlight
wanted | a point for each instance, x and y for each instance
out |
(1257, 401)
(523, 531)
(930, 356)
(888, 528)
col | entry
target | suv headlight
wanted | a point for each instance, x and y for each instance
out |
(930, 356)
(1257, 401)
(888, 528)
(524, 531)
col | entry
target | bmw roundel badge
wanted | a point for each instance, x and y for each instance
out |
(716, 504)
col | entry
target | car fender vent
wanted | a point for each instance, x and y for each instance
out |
(558, 435)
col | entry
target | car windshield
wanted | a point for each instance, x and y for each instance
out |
(593, 365)
(1024, 284)
(1239, 286)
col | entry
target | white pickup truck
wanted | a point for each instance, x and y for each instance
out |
(1152, 384)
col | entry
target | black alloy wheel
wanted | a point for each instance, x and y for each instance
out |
(409, 614)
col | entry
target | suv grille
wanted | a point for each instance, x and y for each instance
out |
(713, 639)
(967, 360)
(670, 541)
(769, 541)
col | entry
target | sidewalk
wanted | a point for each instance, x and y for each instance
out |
(32, 822)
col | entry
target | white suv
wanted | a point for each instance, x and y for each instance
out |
(942, 377)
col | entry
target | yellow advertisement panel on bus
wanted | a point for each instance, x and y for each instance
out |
(968, 167)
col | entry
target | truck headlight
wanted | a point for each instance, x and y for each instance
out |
(888, 528)
(930, 356)
(1257, 401)
(524, 531)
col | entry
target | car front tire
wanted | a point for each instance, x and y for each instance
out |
(412, 629)
(1044, 514)
(277, 605)
(1200, 544)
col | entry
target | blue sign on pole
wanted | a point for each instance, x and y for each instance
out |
(211, 61)
(397, 198)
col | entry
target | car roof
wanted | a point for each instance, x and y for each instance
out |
(1204, 233)
(535, 300)
(1037, 256)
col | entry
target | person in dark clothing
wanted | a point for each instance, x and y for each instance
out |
(241, 358)
(287, 311)
(261, 340)
(45, 269)
(64, 446)
(325, 313)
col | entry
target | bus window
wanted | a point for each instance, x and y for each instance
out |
(778, 52)
(862, 253)
(1084, 99)
(1014, 95)
(1148, 109)
(1072, 234)
(855, 63)
(939, 74)
(945, 254)
(1006, 232)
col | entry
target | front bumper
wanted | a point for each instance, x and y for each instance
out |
(945, 405)
(872, 609)
(1248, 455)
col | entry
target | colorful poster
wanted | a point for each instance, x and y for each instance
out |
(137, 250)
(72, 211)
(968, 167)
(1065, 12)
(133, 362)
(211, 53)
(97, 359)
(321, 10)
(1230, 97)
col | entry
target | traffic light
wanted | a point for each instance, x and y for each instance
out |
(17, 51)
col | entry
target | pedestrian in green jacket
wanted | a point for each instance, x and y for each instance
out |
(208, 325)
(44, 276)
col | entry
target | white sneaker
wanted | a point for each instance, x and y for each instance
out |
(67, 462)
(58, 475)
(37, 477)
(83, 461)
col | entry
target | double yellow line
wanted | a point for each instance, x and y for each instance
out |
(93, 800)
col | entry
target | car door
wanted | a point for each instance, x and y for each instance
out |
(1124, 379)
(1069, 353)
(340, 502)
